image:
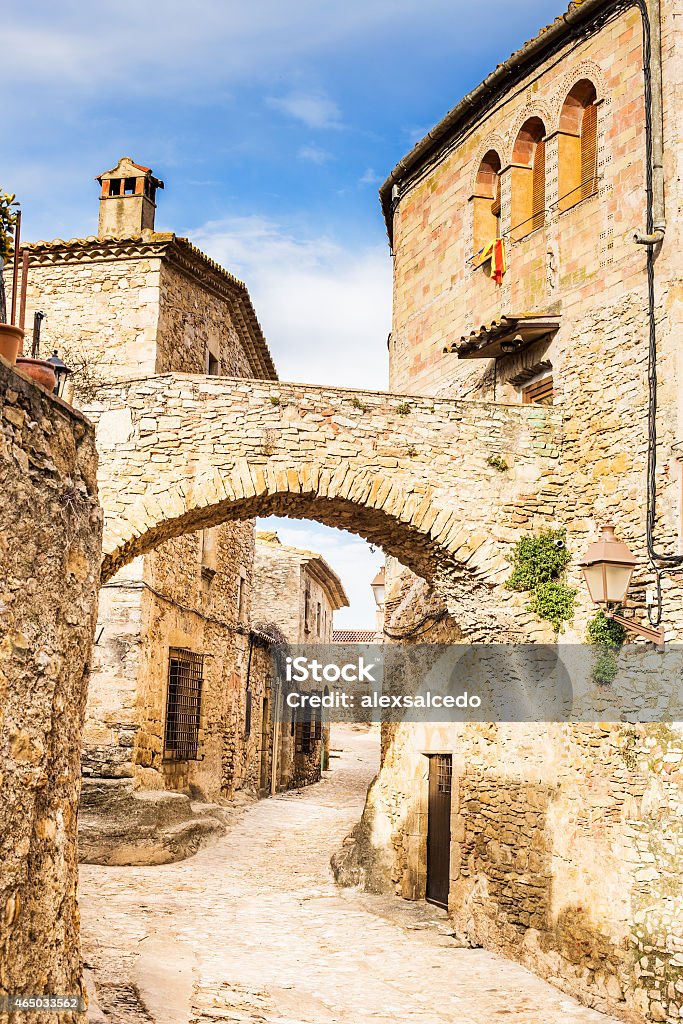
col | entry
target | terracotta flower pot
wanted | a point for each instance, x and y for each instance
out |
(39, 370)
(10, 342)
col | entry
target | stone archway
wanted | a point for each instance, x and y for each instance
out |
(421, 477)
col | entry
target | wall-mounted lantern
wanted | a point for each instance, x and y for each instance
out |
(378, 589)
(62, 371)
(608, 567)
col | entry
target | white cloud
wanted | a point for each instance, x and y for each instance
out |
(350, 557)
(370, 177)
(314, 154)
(315, 110)
(142, 47)
(325, 308)
(222, 40)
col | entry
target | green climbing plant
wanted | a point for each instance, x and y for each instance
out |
(607, 636)
(539, 562)
(555, 602)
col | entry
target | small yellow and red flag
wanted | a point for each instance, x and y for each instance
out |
(495, 252)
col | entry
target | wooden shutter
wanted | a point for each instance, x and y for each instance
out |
(496, 205)
(589, 151)
(538, 187)
(539, 393)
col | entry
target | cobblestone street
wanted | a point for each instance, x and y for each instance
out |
(253, 928)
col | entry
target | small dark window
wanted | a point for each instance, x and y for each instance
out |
(307, 610)
(213, 364)
(115, 186)
(183, 704)
(129, 187)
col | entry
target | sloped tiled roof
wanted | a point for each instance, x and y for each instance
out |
(521, 329)
(356, 636)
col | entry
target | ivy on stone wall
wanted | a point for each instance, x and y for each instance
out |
(539, 562)
(608, 636)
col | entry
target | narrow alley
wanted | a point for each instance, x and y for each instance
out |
(253, 928)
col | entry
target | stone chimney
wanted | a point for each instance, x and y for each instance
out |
(127, 200)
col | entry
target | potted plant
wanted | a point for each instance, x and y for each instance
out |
(10, 336)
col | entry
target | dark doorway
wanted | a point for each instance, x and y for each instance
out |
(439, 829)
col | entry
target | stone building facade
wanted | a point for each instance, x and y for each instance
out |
(298, 592)
(50, 551)
(167, 693)
(565, 842)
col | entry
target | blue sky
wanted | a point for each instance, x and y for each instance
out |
(273, 124)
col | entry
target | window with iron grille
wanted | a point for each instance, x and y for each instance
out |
(444, 768)
(183, 704)
(304, 737)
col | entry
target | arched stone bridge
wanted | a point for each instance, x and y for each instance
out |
(416, 476)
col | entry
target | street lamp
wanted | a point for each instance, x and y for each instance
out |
(608, 567)
(378, 589)
(62, 371)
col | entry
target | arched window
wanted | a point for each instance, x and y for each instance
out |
(527, 210)
(486, 200)
(578, 145)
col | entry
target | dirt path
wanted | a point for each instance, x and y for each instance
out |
(253, 929)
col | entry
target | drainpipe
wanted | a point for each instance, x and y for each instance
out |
(656, 226)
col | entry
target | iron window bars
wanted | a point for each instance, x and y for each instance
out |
(444, 769)
(183, 704)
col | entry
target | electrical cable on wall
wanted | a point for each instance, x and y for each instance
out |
(670, 563)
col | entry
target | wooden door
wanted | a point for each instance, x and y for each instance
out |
(264, 781)
(439, 829)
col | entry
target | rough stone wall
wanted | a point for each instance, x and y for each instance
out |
(112, 718)
(278, 592)
(192, 322)
(251, 765)
(49, 573)
(565, 850)
(101, 315)
(282, 578)
(412, 476)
